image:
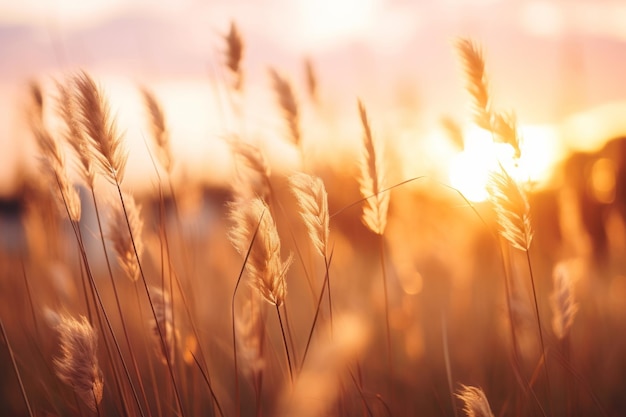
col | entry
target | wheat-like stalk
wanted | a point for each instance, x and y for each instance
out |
(118, 233)
(372, 180)
(158, 128)
(253, 171)
(502, 125)
(564, 306)
(287, 103)
(476, 403)
(477, 82)
(512, 209)
(163, 324)
(97, 124)
(66, 108)
(234, 55)
(313, 201)
(53, 162)
(78, 364)
(311, 79)
(265, 267)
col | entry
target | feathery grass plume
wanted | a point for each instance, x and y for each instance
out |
(97, 124)
(287, 103)
(477, 83)
(564, 307)
(311, 79)
(253, 172)
(163, 324)
(37, 100)
(234, 54)
(476, 404)
(249, 328)
(512, 209)
(66, 108)
(318, 386)
(265, 267)
(158, 127)
(78, 364)
(372, 180)
(53, 162)
(313, 201)
(119, 234)
(502, 125)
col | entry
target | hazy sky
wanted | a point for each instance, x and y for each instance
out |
(544, 58)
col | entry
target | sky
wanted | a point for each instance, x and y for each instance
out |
(546, 59)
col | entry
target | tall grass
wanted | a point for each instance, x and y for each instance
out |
(159, 318)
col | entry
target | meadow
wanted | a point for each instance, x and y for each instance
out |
(306, 289)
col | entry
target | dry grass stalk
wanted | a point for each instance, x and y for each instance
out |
(53, 162)
(163, 324)
(249, 328)
(158, 128)
(78, 364)
(234, 54)
(512, 209)
(287, 103)
(119, 234)
(313, 201)
(36, 95)
(265, 266)
(311, 79)
(253, 171)
(66, 108)
(476, 404)
(372, 180)
(502, 125)
(564, 307)
(98, 125)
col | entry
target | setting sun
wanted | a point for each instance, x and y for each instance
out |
(469, 169)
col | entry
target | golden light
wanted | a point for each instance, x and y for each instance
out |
(469, 169)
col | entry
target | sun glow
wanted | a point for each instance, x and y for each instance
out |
(469, 169)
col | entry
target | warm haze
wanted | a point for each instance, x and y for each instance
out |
(312, 208)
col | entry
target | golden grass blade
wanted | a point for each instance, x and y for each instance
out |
(512, 209)
(158, 128)
(66, 108)
(476, 404)
(164, 320)
(78, 364)
(252, 170)
(311, 79)
(502, 125)
(265, 267)
(564, 306)
(118, 233)
(313, 201)
(287, 103)
(477, 82)
(234, 55)
(372, 180)
(53, 161)
(98, 125)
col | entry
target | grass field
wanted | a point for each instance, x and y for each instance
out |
(307, 288)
